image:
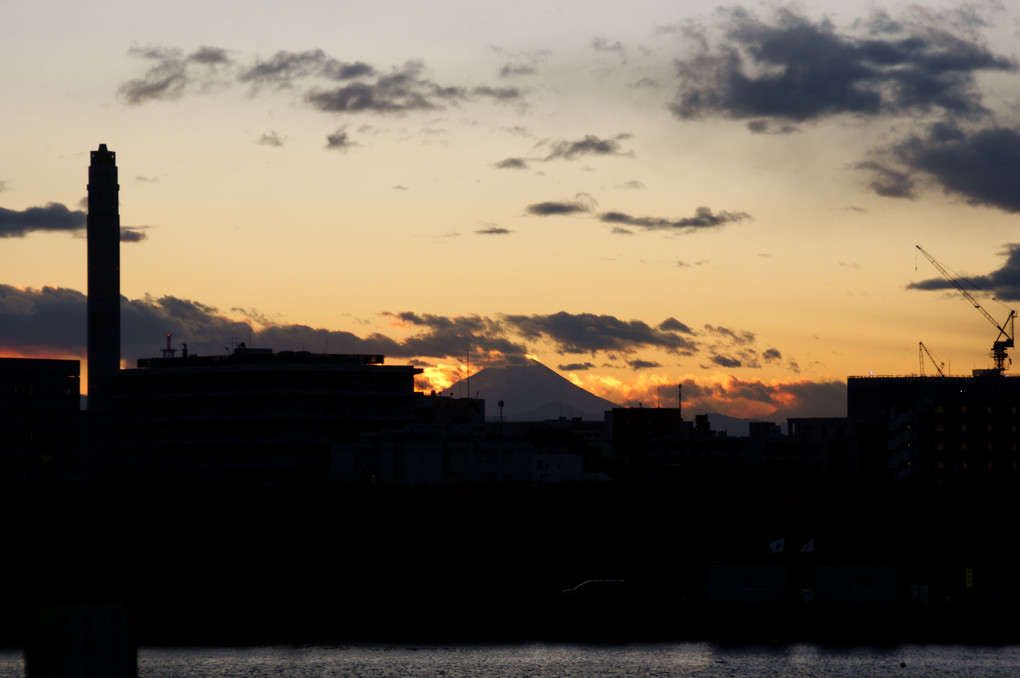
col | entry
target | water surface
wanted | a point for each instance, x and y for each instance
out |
(557, 660)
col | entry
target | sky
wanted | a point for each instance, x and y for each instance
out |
(637, 195)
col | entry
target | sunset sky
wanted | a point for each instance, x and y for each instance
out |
(635, 194)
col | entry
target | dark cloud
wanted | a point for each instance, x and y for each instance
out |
(643, 364)
(494, 230)
(703, 218)
(53, 217)
(589, 145)
(132, 234)
(400, 91)
(795, 69)
(771, 355)
(51, 322)
(54, 320)
(339, 140)
(165, 81)
(889, 182)
(1003, 283)
(575, 367)
(47, 320)
(981, 166)
(284, 68)
(447, 337)
(212, 56)
(512, 163)
(725, 361)
(364, 88)
(497, 93)
(171, 75)
(545, 209)
(590, 333)
(764, 127)
(741, 337)
(674, 325)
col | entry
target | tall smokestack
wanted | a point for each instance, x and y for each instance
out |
(103, 233)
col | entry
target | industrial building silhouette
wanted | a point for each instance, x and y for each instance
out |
(103, 234)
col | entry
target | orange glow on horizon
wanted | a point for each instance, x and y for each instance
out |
(747, 399)
(441, 377)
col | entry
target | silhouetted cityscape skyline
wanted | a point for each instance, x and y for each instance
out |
(580, 188)
(507, 322)
(296, 440)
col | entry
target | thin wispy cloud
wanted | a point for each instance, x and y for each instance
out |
(339, 140)
(703, 218)
(312, 74)
(494, 230)
(272, 139)
(589, 145)
(512, 163)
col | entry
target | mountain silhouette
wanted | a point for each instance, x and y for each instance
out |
(530, 392)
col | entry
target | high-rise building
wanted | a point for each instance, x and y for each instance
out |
(944, 427)
(103, 231)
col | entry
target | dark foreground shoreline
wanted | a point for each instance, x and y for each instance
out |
(215, 565)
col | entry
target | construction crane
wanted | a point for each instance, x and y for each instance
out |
(1005, 339)
(922, 350)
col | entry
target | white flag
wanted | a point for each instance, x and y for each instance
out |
(778, 546)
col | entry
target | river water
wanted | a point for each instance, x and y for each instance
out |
(558, 660)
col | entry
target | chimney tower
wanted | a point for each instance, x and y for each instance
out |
(103, 234)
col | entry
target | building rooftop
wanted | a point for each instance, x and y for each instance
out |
(260, 356)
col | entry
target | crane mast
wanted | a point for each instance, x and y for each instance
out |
(920, 358)
(1004, 340)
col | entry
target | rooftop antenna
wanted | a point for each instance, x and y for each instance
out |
(169, 351)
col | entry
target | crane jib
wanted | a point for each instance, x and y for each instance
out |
(999, 346)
